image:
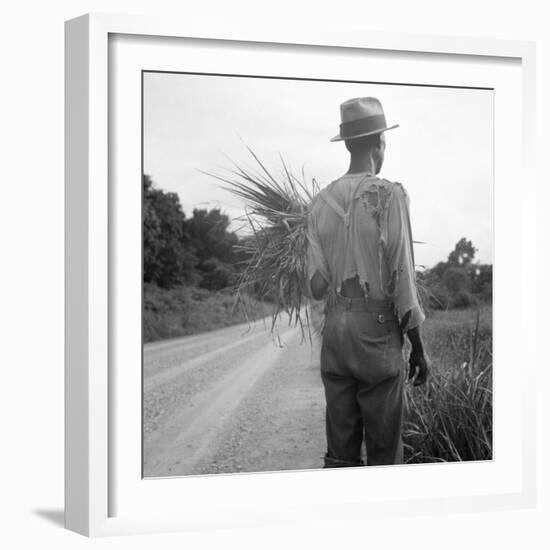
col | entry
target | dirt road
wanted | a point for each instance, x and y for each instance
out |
(232, 400)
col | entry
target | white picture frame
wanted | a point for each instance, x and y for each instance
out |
(90, 465)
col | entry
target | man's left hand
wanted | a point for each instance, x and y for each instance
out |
(418, 368)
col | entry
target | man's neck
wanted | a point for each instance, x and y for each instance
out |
(361, 164)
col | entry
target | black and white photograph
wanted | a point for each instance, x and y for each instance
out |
(275, 275)
(317, 274)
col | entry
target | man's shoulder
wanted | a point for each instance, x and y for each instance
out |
(316, 200)
(394, 190)
(387, 188)
(392, 185)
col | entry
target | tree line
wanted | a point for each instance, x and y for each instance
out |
(196, 251)
(200, 251)
(459, 282)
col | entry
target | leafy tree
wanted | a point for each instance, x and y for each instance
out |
(482, 282)
(217, 274)
(168, 256)
(179, 251)
(152, 239)
(456, 279)
(438, 270)
(463, 253)
(483, 277)
(458, 282)
(209, 235)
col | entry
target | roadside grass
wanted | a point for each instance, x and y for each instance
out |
(181, 311)
(450, 418)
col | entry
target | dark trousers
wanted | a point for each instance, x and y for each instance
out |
(362, 372)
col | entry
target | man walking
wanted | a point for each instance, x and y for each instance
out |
(361, 261)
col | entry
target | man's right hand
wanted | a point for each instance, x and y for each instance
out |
(319, 285)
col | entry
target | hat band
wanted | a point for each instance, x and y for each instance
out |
(362, 126)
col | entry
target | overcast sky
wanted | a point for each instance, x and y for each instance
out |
(442, 152)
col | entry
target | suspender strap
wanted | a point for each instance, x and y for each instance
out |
(331, 202)
(345, 216)
(335, 206)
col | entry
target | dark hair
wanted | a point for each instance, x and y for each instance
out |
(362, 144)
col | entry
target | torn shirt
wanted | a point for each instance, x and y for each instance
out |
(367, 234)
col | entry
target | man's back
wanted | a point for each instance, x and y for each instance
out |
(361, 230)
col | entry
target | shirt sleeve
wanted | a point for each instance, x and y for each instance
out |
(400, 257)
(315, 258)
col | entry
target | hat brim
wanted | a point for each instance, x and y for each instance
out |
(339, 138)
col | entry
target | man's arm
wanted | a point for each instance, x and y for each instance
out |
(418, 363)
(401, 260)
(318, 285)
(317, 268)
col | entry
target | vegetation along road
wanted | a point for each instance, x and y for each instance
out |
(232, 400)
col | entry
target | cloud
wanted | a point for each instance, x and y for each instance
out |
(442, 152)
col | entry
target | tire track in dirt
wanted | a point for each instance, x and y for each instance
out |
(159, 356)
(187, 437)
(280, 424)
(178, 377)
(168, 374)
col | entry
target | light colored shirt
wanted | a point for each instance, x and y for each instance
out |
(363, 229)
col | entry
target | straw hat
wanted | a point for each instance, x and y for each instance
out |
(361, 116)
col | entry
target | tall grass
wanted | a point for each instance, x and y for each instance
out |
(451, 417)
(277, 204)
